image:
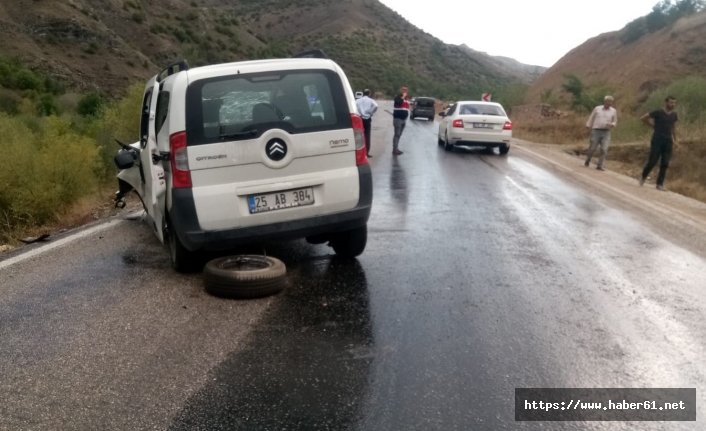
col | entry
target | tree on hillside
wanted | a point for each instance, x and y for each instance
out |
(689, 7)
(573, 86)
(584, 98)
(659, 16)
(634, 30)
(662, 15)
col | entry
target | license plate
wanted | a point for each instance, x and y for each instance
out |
(280, 200)
(482, 126)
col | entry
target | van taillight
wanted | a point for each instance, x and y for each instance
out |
(361, 153)
(457, 123)
(181, 176)
(507, 125)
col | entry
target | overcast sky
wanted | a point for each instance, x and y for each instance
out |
(537, 32)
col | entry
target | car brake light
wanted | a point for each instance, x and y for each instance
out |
(507, 125)
(181, 176)
(361, 153)
(457, 123)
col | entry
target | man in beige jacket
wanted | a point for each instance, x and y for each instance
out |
(603, 118)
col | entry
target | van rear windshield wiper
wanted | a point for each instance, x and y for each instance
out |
(239, 135)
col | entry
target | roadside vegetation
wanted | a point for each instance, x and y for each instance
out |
(56, 168)
(630, 141)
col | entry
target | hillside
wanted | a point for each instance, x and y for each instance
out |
(108, 44)
(631, 70)
(507, 67)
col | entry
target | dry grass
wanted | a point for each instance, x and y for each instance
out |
(686, 174)
(86, 210)
(567, 130)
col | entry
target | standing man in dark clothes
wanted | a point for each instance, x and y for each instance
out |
(400, 113)
(663, 121)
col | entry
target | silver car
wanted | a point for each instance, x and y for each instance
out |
(475, 124)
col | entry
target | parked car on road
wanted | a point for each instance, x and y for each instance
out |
(247, 151)
(423, 107)
(476, 124)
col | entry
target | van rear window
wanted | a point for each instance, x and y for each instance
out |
(238, 107)
(425, 103)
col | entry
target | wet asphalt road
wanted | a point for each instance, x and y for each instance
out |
(482, 274)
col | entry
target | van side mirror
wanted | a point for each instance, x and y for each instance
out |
(125, 159)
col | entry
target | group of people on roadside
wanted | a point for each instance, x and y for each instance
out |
(603, 119)
(663, 121)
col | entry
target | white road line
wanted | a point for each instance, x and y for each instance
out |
(63, 241)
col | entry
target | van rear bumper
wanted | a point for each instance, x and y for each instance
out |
(184, 221)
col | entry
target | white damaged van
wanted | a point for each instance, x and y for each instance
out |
(248, 151)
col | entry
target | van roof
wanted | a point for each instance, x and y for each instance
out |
(252, 66)
(249, 66)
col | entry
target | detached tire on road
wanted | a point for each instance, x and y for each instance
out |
(244, 276)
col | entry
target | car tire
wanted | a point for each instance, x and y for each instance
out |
(503, 149)
(351, 243)
(182, 260)
(317, 239)
(244, 276)
(447, 145)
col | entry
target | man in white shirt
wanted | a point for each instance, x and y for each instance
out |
(603, 118)
(366, 108)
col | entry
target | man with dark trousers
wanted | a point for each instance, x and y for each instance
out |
(663, 121)
(366, 108)
(400, 112)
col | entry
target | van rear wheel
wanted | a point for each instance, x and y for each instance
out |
(350, 243)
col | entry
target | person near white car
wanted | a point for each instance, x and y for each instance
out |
(399, 118)
(367, 108)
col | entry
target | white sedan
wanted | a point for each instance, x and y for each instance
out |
(475, 124)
